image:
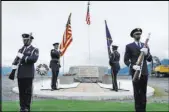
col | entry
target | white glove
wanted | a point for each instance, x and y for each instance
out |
(145, 50)
(14, 67)
(20, 55)
(136, 67)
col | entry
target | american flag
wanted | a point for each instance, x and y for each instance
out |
(109, 39)
(67, 37)
(88, 15)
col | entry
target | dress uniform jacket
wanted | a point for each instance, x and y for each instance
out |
(55, 60)
(131, 55)
(26, 67)
(114, 61)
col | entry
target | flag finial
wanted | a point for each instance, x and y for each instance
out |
(88, 2)
(70, 14)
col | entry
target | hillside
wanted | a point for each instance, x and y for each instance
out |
(124, 71)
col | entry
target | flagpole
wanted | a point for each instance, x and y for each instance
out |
(63, 64)
(88, 19)
(89, 41)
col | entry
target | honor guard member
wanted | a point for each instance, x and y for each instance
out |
(27, 55)
(115, 66)
(132, 53)
(55, 65)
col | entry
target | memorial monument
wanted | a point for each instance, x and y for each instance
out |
(88, 74)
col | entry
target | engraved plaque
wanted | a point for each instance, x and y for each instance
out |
(88, 74)
(88, 71)
(74, 70)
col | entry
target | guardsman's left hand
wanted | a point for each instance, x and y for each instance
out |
(20, 55)
(145, 50)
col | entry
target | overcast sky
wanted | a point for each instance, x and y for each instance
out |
(47, 21)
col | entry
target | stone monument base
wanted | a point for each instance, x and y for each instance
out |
(66, 79)
(87, 79)
(86, 91)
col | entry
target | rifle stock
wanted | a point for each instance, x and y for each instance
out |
(12, 74)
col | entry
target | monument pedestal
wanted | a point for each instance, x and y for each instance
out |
(66, 79)
(107, 79)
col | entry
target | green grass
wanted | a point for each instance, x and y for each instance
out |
(76, 105)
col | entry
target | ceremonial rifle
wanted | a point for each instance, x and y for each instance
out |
(140, 61)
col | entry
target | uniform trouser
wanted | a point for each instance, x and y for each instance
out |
(25, 92)
(54, 78)
(140, 90)
(114, 79)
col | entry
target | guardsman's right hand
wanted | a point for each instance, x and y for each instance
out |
(136, 67)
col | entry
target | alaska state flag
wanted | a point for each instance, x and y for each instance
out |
(109, 39)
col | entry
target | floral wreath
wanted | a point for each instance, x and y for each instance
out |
(42, 69)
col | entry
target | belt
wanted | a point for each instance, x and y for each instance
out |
(115, 62)
(55, 59)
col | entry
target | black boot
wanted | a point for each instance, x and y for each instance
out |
(21, 110)
(116, 89)
(27, 110)
(24, 110)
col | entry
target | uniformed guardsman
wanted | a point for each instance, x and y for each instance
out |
(132, 53)
(115, 66)
(26, 57)
(55, 65)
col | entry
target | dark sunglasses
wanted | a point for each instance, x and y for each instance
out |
(137, 34)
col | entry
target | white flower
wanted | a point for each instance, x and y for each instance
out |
(42, 69)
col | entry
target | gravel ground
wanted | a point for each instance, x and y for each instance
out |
(161, 83)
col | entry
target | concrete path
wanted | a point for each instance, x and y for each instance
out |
(85, 87)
